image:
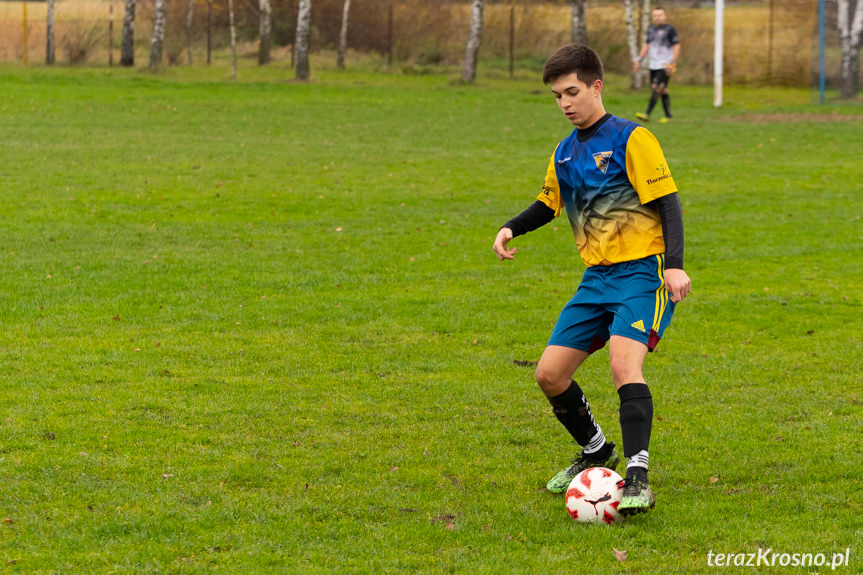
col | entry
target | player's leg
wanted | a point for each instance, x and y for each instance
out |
(654, 96)
(656, 85)
(581, 328)
(568, 402)
(641, 317)
(666, 104)
(636, 418)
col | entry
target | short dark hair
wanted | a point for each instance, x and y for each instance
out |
(577, 58)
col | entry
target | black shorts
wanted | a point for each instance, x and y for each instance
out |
(659, 78)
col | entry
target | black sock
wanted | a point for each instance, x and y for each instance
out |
(666, 105)
(573, 411)
(636, 419)
(654, 97)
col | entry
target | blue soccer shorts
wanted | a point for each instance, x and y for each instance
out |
(627, 299)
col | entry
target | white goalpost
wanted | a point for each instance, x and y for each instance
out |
(717, 53)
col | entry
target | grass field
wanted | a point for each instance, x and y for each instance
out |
(258, 327)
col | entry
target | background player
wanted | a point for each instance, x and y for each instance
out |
(663, 49)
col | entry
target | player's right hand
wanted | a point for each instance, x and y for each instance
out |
(501, 242)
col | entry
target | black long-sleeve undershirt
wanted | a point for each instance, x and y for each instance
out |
(670, 212)
(535, 216)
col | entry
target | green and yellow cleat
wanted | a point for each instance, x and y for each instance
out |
(561, 481)
(637, 497)
(643, 117)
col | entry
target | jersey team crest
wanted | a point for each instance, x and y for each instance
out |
(602, 159)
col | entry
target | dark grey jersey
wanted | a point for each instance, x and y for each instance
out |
(661, 40)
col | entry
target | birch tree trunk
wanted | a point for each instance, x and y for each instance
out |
(857, 25)
(468, 72)
(644, 71)
(158, 34)
(850, 23)
(645, 21)
(304, 23)
(127, 43)
(49, 34)
(265, 31)
(343, 35)
(233, 39)
(632, 41)
(189, 16)
(579, 24)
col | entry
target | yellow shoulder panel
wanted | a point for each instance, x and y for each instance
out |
(550, 194)
(646, 166)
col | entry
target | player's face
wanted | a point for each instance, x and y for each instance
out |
(658, 17)
(580, 103)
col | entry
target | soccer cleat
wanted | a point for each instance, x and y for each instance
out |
(664, 120)
(636, 497)
(642, 117)
(561, 481)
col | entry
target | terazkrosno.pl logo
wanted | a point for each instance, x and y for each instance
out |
(769, 558)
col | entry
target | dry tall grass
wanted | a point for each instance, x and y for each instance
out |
(435, 31)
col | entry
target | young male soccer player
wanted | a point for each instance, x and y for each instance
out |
(663, 50)
(611, 177)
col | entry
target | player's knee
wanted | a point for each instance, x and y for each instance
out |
(542, 376)
(624, 370)
(548, 380)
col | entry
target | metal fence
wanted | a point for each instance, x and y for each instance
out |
(766, 41)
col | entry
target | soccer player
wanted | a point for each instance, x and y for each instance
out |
(663, 48)
(611, 177)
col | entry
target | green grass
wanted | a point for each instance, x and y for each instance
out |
(257, 326)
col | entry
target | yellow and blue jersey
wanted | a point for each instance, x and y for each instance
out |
(604, 184)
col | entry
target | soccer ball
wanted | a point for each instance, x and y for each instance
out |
(593, 496)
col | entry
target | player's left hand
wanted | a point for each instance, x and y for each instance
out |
(671, 69)
(677, 283)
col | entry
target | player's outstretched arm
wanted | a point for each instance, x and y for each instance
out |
(501, 243)
(536, 215)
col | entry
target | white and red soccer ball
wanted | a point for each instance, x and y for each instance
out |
(593, 496)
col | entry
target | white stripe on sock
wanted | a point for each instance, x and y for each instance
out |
(596, 443)
(640, 459)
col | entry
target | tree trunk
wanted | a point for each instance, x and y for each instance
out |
(850, 31)
(158, 34)
(189, 16)
(645, 21)
(644, 71)
(468, 72)
(265, 31)
(632, 41)
(233, 39)
(579, 24)
(304, 23)
(49, 34)
(127, 43)
(343, 35)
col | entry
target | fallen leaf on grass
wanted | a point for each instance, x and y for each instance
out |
(714, 479)
(619, 555)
